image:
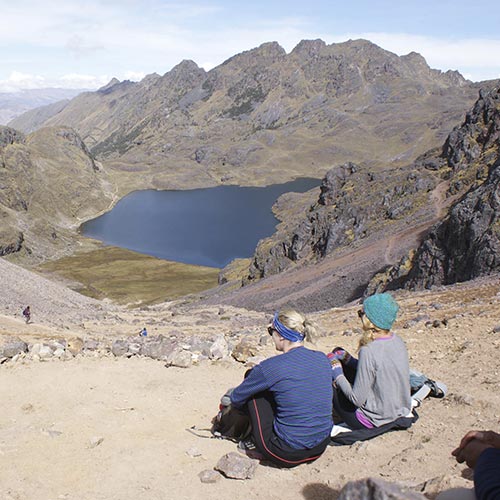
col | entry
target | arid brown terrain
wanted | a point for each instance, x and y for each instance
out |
(96, 426)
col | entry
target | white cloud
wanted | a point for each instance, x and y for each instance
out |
(78, 81)
(134, 76)
(23, 81)
(18, 80)
(207, 65)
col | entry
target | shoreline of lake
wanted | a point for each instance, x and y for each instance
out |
(199, 225)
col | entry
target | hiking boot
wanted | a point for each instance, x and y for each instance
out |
(249, 449)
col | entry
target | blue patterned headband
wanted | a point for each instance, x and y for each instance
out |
(285, 332)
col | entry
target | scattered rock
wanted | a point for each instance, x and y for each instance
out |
(45, 352)
(59, 353)
(159, 347)
(199, 345)
(436, 323)
(264, 340)
(67, 356)
(51, 433)
(209, 476)
(134, 348)
(95, 441)
(28, 408)
(119, 347)
(75, 346)
(219, 349)
(193, 452)
(88, 345)
(236, 466)
(434, 486)
(376, 489)
(244, 350)
(180, 359)
(12, 347)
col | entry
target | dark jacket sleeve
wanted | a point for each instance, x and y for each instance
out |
(487, 475)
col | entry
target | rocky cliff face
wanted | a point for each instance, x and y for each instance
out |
(265, 116)
(48, 182)
(353, 205)
(466, 244)
(10, 136)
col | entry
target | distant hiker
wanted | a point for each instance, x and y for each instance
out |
(143, 332)
(288, 397)
(373, 390)
(480, 450)
(27, 314)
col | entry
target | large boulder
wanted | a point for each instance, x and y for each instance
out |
(13, 346)
(376, 489)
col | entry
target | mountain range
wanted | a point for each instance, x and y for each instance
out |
(378, 128)
(266, 116)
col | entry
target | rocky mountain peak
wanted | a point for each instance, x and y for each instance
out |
(416, 59)
(150, 79)
(111, 83)
(186, 73)
(309, 48)
(455, 78)
(264, 54)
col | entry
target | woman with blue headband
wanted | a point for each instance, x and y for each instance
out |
(288, 397)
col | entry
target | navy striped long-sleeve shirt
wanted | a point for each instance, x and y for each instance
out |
(301, 383)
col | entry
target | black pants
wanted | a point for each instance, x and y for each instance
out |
(343, 408)
(261, 411)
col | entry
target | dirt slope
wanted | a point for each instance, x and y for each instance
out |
(54, 411)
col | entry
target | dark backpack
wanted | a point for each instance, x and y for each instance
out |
(231, 423)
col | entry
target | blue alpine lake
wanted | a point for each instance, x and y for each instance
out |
(208, 227)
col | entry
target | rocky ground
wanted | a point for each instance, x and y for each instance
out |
(88, 424)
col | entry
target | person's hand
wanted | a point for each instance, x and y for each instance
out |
(470, 452)
(473, 444)
(337, 370)
(226, 399)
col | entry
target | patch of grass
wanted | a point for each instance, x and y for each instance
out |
(129, 277)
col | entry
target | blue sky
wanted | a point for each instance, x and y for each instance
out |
(83, 44)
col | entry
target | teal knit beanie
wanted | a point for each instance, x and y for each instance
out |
(381, 309)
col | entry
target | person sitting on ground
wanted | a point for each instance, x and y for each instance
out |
(480, 450)
(373, 390)
(288, 397)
